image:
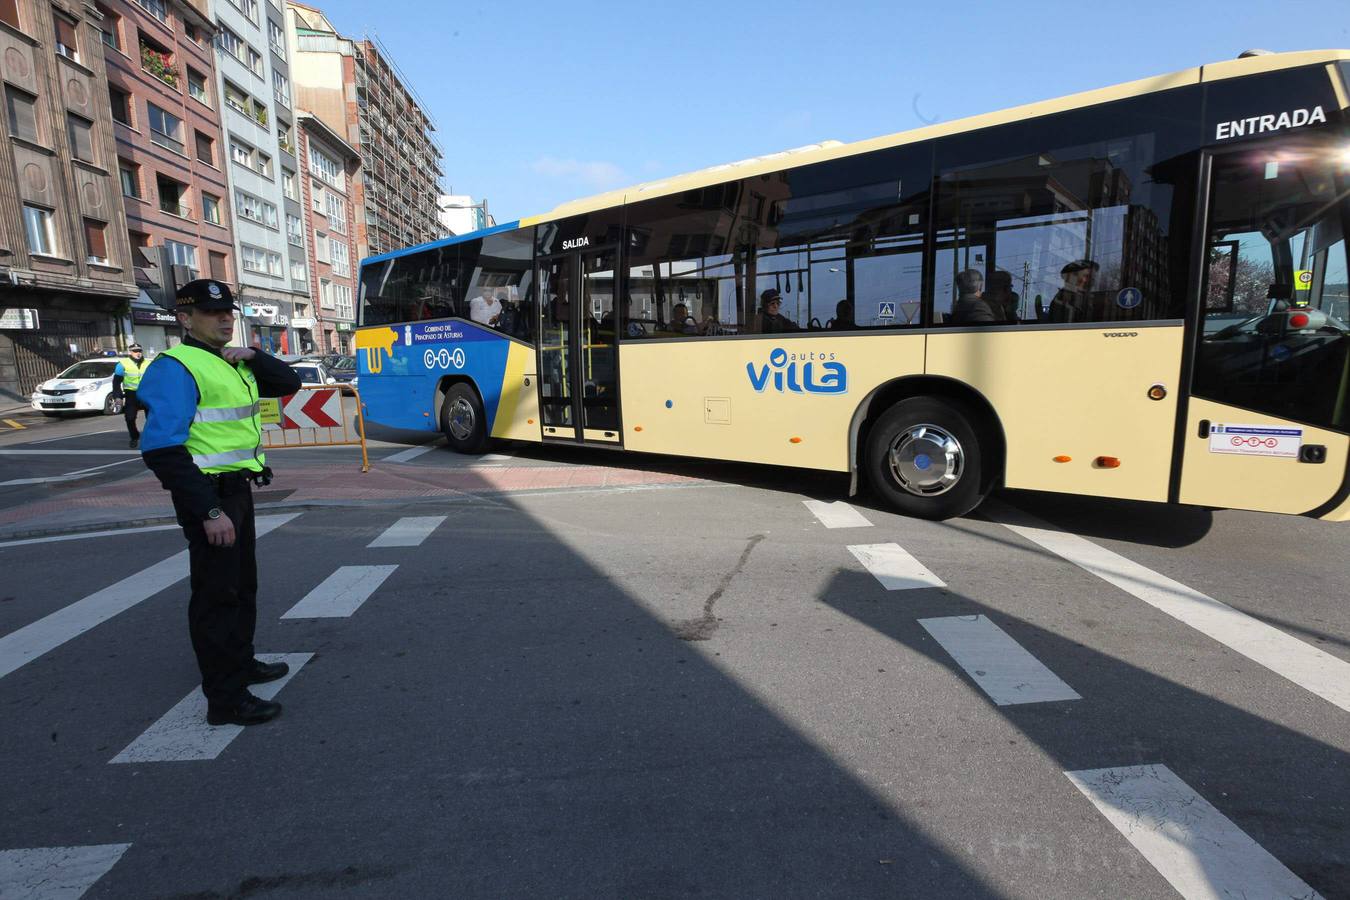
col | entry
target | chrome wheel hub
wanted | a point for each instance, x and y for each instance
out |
(461, 419)
(926, 461)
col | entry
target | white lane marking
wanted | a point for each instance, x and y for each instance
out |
(998, 664)
(66, 437)
(837, 514)
(1191, 844)
(341, 593)
(87, 534)
(69, 476)
(409, 531)
(411, 453)
(55, 873)
(1303, 664)
(895, 568)
(21, 647)
(10, 452)
(182, 734)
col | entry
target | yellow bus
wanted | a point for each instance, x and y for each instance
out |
(1135, 292)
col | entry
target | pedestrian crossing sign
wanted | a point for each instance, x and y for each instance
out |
(886, 309)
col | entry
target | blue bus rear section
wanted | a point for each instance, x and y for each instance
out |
(401, 366)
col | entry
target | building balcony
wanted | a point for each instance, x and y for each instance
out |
(159, 64)
(175, 209)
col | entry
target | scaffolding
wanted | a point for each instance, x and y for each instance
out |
(401, 160)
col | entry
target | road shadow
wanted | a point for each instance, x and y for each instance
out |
(1287, 790)
(501, 720)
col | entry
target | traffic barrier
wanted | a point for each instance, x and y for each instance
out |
(316, 417)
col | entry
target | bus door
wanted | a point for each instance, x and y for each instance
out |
(1267, 420)
(578, 353)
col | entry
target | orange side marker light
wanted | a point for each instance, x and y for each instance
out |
(1107, 462)
(1062, 459)
(637, 427)
(795, 440)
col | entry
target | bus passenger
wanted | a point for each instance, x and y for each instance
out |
(485, 309)
(1073, 301)
(843, 316)
(771, 321)
(1002, 299)
(971, 307)
(680, 320)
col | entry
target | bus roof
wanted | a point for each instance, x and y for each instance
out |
(827, 150)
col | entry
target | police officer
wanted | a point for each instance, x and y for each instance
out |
(203, 439)
(126, 381)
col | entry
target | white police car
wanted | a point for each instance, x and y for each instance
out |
(84, 387)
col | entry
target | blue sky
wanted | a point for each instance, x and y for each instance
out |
(538, 103)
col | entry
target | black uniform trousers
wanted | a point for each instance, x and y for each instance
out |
(130, 407)
(223, 610)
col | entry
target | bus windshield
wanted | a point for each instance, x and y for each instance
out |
(1276, 336)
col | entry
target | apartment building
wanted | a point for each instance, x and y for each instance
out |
(65, 263)
(163, 95)
(327, 164)
(252, 63)
(355, 88)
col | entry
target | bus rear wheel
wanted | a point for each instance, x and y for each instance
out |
(924, 459)
(462, 420)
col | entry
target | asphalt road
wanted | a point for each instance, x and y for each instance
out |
(688, 689)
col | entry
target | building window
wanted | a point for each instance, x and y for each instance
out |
(171, 196)
(37, 225)
(131, 182)
(264, 164)
(206, 149)
(111, 27)
(155, 8)
(281, 88)
(9, 13)
(182, 254)
(327, 168)
(230, 42)
(166, 129)
(295, 231)
(337, 213)
(197, 86)
(220, 266)
(95, 241)
(241, 153)
(255, 259)
(316, 195)
(284, 137)
(120, 101)
(288, 184)
(341, 259)
(248, 7)
(22, 109)
(210, 208)
(247, 206)
(158, 61)
(342, 301)
(237, 100)
(66, 42)
(325, 294)
(298, 272)
(321, 246)
(81, 134)
(277, 38)
(255, 63)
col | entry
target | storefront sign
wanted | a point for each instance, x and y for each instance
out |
(304, 322)
(153, 317)
(14, 319)
(344, 326)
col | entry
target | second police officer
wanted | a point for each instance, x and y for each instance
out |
(203, 440)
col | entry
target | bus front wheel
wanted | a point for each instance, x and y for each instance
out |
(462, 420)
(923, 458)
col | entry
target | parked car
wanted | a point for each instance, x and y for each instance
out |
(84, 387)
(313, 374)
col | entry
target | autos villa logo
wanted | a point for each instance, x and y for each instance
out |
(799, 373)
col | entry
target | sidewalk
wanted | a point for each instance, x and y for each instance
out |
(140, 500)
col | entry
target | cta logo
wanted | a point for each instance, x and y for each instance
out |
(799, 373)
(443, 358)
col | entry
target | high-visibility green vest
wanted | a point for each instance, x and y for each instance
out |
(226, 433)
(132, 372)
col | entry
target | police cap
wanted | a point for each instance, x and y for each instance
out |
(205, 294)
